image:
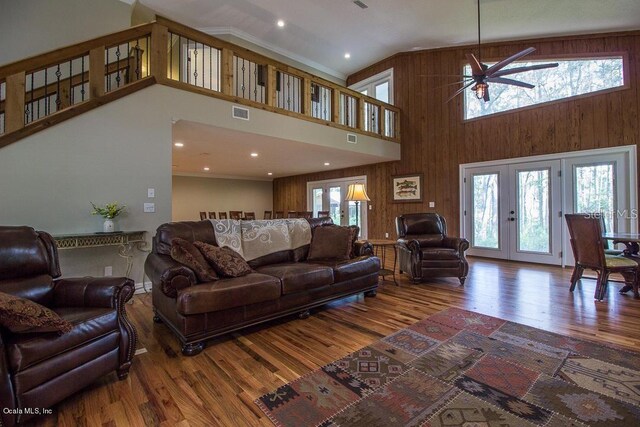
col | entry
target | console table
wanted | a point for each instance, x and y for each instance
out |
(126, 241)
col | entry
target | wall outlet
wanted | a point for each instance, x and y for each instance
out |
(149, 207)
(108, 271)
(432, 204)
(386, 235)
(370, 207)
(151, 193)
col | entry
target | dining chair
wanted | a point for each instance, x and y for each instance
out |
(305, 214)
(212, 215)
(292, 214)
(222, 215)
(588, 251)
(267, 215)
(203, 216)
(279, 214)
(249, 215)
(235, 214)
(323, 214)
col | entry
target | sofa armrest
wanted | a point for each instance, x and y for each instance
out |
(107, 292)
(362, 248)
(460, 244)
(7, 394)
(412, 246)
(167, 274)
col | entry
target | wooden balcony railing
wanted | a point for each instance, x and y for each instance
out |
(41, 91)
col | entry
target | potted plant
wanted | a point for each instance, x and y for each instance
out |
(108, 212)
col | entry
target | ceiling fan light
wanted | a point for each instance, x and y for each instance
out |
(480, 90)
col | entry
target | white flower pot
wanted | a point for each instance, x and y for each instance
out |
(108, 226)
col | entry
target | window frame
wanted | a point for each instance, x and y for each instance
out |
(550, 58)
(370, 84)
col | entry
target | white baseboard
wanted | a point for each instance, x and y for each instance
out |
(140, 289)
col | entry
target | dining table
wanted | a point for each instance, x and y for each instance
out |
(631, 241)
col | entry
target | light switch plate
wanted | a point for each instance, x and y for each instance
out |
(149, 207)
(432, 204)
(151, 193)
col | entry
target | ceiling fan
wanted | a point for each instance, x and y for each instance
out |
(482, 74)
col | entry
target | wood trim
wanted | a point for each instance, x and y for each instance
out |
(14, 114)
(74, 110)
(159, 45)
(272, 84)
(226, 69)
(306, 96)
(96, 72)
(335, 105)
(64, 54)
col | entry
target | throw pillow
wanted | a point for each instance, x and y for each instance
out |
(23, 315)
(186, 253)
(225, 261)
(331, 242)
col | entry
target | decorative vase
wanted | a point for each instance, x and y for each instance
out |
(108, 226)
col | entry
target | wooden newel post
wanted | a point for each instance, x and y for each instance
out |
(159, 47)
(361, 115)
(227, 71)
(96, 72)
(335, 105)
(306, 96)
(14, 103)
(381, 119)
(272, 85)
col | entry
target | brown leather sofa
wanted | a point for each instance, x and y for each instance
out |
(37, 370)
(282, 284)
(425, 250)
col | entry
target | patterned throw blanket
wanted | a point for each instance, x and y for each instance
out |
(253, 239)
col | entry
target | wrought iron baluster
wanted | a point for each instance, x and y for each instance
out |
(324, 101)
(147, 54)
(195, 64)
(82, 79)
(202, 64)
(243, 87)
(188, 62)
(46, 99)
(31, 104)
(58, 101)
(179, 57)
(108, 76)
(71, 82)
(170, 56)
(210, 68)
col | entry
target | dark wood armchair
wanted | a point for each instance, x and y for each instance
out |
(38, 367)
(589, 253)
(425, 250)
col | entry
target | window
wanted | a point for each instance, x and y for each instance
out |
(571, 78)
(379, 86)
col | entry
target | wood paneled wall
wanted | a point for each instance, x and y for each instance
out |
(436, 140)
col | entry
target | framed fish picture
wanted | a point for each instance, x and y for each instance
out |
(407, 188)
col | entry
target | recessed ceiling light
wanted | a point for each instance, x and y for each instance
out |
(254, 154)
(347, 55)
(269, 173)
(179, 144)
(206, 169)
(280, 23)
(327, 163)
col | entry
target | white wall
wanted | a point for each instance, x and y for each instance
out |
(193, 194)
(31, 27)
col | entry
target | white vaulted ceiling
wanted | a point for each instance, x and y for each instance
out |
(319, 32)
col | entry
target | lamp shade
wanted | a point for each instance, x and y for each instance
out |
(357, 193)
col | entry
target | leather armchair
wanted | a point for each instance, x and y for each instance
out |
(39, 369)
(425, 250)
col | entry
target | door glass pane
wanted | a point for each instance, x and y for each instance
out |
(533, 211)
(382, 92)
(316, 201)
(595, 191)
(334, 204)
(485, 211)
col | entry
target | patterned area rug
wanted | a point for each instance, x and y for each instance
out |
(458, 368)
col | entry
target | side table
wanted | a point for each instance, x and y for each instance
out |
(380, 245)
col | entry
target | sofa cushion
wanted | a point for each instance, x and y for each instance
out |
(298, 277)
(351, 269)
(431, 253)
(331, 242)
(88, 324)
(188, 254)
(23, 315)
(228, 293)
(225, 261)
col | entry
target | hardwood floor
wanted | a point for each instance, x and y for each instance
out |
(218, 386)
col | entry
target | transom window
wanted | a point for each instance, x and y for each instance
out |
(572, 77)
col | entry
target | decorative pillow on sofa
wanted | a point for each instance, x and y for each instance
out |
(331, 242)
(23, 315)
(186, 253)
(225, 261)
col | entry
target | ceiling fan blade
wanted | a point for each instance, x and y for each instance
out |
(459, 91)
(476, 67)
(509, 82)
(523, 69)
(509, 60)
(486, 95)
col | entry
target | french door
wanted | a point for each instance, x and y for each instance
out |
(329, 196)
(514, 211)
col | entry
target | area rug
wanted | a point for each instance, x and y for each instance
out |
(459, 368)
